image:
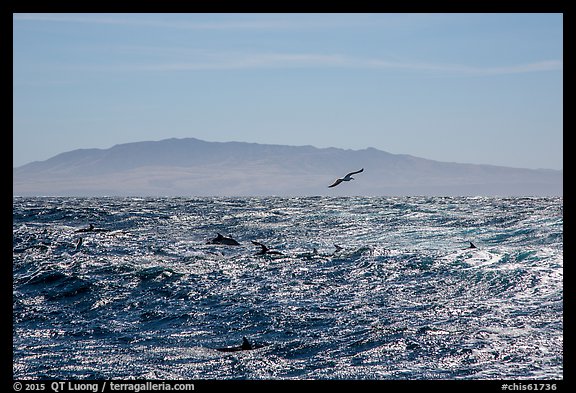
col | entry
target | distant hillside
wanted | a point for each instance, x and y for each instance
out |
(191, 167)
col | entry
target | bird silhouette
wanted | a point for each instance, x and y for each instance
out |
(348, 177)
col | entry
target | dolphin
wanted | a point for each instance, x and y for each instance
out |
(92, 229)
(89, 229)
(223, 240)
(265, 250)
(246, 346)
(470, 246)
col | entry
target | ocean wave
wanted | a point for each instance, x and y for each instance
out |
(365, 288)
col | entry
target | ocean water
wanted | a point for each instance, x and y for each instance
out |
(404, 298)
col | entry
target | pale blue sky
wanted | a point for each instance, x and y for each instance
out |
(470, 88)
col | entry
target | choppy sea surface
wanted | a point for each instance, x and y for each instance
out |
(145, 297)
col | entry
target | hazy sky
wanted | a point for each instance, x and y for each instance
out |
(469, 88)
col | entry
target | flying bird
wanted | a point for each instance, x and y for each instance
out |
(348, 177)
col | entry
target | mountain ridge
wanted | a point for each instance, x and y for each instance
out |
(193, 167)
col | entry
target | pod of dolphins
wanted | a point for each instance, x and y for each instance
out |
(228, 241)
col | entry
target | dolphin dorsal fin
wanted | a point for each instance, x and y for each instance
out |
(246, 344)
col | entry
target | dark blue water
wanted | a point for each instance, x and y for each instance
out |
(403, 299)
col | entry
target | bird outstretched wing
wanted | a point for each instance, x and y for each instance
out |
(353, 173)
(338, 181)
